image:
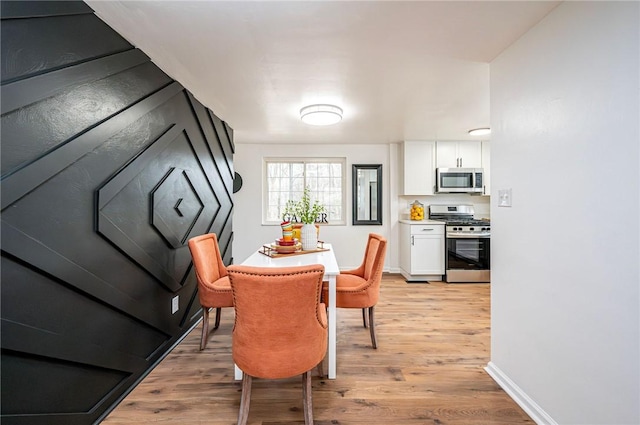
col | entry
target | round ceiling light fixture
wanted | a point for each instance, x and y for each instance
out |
(480, 131)
(321, 114)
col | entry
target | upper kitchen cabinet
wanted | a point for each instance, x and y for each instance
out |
(467, 154)
(486, 161)
(419, 160)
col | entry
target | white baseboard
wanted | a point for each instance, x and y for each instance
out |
(532, 408)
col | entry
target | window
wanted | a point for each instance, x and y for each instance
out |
(286, 178)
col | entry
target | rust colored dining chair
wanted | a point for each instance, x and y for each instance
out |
(360, 288)
(280, 329)
(214, 290)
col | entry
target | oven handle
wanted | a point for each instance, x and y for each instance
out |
(468, 236)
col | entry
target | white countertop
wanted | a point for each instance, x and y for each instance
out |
(421, 222)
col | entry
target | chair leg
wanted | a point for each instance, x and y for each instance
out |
(372, 328)
(205, 328)
(320, 368)
(364, 317)
(245, 399)
(218, 314)
(307, 398)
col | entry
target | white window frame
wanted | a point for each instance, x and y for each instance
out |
(303, 160)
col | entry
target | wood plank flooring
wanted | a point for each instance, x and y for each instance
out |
(433, 343)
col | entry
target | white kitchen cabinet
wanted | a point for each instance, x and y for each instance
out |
(467, 154)
(419, 171)
(486, 165)
(422, 251)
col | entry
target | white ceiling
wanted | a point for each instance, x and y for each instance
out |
(415, 70)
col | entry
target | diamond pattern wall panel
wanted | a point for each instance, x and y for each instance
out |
(108, 168)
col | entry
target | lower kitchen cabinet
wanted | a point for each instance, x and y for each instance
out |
(422, 251)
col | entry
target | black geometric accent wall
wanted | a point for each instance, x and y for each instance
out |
(108, 167)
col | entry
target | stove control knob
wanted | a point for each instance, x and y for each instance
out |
(472, 229)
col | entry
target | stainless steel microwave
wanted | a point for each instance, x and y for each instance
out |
(459, 180)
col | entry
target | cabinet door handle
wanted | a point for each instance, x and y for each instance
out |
(412, 241)
(461, 162)
(427, 230)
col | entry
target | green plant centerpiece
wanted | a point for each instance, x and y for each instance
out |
(306, 212)
(303, 210)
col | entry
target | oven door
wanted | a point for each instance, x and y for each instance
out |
(468, 259)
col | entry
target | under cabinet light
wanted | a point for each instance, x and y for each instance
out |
(479, 131)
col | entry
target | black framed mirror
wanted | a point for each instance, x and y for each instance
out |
(367, 194)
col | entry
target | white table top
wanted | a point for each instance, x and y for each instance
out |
(326, 258)
(331, 270)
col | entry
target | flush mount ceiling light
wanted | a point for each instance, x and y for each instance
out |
(479, 131)
(321, 114)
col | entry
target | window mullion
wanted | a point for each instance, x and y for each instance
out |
(280, 187)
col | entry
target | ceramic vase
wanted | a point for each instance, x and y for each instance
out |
(309, 235)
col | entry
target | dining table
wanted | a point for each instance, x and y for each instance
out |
(324, 255)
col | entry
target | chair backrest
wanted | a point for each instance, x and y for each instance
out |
(206, 258)
(280, 325)
(374, 257)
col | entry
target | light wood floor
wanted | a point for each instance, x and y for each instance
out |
(433, 343)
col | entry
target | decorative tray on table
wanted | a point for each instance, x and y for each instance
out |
(275, 250)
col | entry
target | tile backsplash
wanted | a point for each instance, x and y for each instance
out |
(481, 204)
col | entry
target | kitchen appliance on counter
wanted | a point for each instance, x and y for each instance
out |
(467, 243)
(459, 180)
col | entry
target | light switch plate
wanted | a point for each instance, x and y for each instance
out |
(175, 304)
(504, 197)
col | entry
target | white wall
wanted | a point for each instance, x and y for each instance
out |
(565, 279)
(348, 241)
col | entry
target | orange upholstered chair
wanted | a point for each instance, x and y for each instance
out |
(214, 290)
(360, 288)
(280, 329)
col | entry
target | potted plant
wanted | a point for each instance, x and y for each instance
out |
(306, 212)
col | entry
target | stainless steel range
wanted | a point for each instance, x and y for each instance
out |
(467, 244)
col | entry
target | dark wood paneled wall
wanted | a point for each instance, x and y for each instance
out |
(108, 167)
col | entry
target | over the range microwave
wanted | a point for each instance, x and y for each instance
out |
(459, 180)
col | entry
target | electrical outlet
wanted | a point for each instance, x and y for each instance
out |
(504, 197)
(175, 304)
